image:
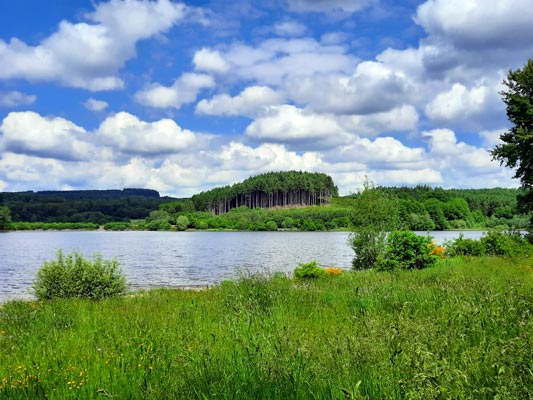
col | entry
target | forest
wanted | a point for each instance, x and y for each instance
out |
(421, 208)
(291, 200)
(273, 189)
(82, 206)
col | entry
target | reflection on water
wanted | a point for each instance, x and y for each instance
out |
(170, 259)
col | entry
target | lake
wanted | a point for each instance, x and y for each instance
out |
(176, 259)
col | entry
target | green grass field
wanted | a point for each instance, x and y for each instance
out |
(460, 330)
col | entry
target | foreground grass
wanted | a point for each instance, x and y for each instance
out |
(460, 330)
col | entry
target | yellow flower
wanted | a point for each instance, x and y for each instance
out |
(333, 271)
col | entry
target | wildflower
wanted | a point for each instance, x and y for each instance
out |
(333, 271)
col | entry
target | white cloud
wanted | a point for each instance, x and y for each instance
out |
(289, 28)
(383, 152)
(210, 61)
(372, 88)
(399, 119)
(15, 99)
(89, 55)
(348, 6)
(477, 24)
(492, 138)
(457, 103)
(250, 102)
(29, 133)
(95, 105)
(276, 60)
(183, 91)
(127, 134)
(289, 124)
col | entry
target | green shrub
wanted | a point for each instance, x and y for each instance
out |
(73, 275)
(499, 243)
(271, 226)
(407, 250)
(464, 247)
(182, 223)
(310, 270)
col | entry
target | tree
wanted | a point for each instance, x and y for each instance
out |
(375, 213)
(516, 151)
(5, 218)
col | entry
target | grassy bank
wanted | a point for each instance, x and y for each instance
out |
(462, 329)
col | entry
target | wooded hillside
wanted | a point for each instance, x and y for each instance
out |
(273, 189)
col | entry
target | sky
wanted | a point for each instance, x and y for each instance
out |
(183, 97)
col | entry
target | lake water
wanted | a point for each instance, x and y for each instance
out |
(176, 259)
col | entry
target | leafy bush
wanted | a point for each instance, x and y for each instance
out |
(495, 242)
(73, 275)
(375, 213)
(310, 270)
(182, 223)
(407, 250)
(464, 247)
(500, 243)
(271, 226)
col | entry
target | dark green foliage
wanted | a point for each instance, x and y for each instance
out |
(515, 151)
(54, 226)
(273, 189)
(495, 242)
(271, 226)
(72, 275)
(464, 247)
(310, 270)
(407, 250)
(96, 206)
(5, 218)
(375, 212)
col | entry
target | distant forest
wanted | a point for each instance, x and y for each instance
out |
(94, 206)
(278, 200)
(273, 189)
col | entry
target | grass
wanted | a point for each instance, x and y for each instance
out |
(460, 330)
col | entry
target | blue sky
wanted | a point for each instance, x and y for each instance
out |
(181, 97)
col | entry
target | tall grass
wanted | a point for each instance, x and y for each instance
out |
(460, 330)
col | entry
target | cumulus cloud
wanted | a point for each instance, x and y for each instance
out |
(457, 103)
(275, 60)
(89, 54)
(15, 98)
(475, 24)
(400, 119)
(383, 152)
(289, 124)
(49, 137)
(289, 28)
(250, 102)
(95, 105)
(492, 138)
(348, 6)
(128, 134)
(210, 61)
(372, 88)
(184, 90)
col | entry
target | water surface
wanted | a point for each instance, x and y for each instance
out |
(175, 259)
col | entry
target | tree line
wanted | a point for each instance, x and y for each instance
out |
(269, 190)
(82, 206)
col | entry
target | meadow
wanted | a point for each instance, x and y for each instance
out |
(462, 329)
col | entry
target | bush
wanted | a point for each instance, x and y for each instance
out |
(182, 223)
(73, 275)
(271, 226)
(407, 250)
(464, 247)
(310, 270)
